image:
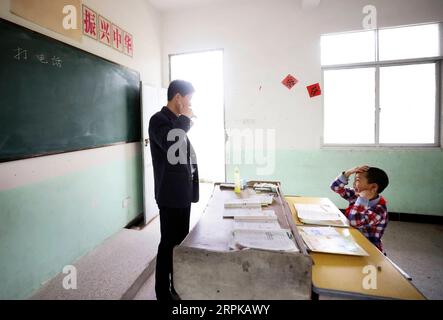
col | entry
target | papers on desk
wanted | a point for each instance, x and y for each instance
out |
(317, 212)
(256, 201)
(321, 214)
(266, 200)
(244, 224)
(274, 240)
(250, 213)
(329, 240)
(267, 187)
(255, 228)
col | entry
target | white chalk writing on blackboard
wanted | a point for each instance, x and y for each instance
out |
(56, 62)
(41, 58)
(21, 54)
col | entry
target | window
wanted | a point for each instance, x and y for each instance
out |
(351, 47)
(407, 104)
(341, 98)
(409, 42)
(382, 87)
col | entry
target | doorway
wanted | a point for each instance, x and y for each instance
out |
(205, 71)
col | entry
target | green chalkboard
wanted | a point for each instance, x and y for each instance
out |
(55, 98)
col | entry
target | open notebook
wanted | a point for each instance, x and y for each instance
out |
(273, 240)
(325, 213)
(329, 240)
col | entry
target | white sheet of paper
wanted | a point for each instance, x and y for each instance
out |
(254, 201)
(243, 224)
(274, 240)
(250, 213)
(243, 203)
(264, 199)
(318, 212)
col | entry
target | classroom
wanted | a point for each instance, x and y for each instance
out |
(219, 149)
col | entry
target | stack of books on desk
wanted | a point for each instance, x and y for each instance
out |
(259, 229)
(255, 228)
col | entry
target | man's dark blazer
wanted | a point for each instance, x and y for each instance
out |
(176, 185)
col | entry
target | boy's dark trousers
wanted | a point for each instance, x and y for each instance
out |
(174, 227)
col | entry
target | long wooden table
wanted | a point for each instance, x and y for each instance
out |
(337, 276)
(205, 268)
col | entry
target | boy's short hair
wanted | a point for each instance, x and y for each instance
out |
(379, 177)
(179, 86)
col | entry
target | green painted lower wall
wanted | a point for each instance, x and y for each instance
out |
(416, 176)
(48, 225)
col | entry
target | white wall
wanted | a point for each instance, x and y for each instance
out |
(137, 17)
(264, 40)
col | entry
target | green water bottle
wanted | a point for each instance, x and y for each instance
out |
(237, 181)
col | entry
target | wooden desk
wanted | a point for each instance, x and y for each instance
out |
(206, 268)
(338, 276)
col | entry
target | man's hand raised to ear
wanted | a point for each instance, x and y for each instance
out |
(186, 111)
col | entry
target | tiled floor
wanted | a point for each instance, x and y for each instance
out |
(147, 292)
(416, 248)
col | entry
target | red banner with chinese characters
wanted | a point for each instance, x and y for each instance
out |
(103, 30)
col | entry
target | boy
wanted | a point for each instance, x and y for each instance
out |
(367, 209)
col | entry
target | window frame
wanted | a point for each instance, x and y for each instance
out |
(438, 60)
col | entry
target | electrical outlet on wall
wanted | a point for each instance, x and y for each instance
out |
(126, 202)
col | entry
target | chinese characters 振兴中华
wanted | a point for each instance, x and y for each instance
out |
(128, 44)
(89, 22)
(105, 31)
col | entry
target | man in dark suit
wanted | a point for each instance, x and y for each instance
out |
(175, 176)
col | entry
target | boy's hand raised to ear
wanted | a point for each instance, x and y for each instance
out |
(355, 170)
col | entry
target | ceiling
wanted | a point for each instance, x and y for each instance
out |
(170, 5)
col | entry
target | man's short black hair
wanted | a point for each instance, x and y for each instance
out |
(179, 86)
(378, 176)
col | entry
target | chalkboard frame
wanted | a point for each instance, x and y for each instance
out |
(51, 153)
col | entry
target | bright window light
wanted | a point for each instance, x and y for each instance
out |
(349, 106)
(346, 48)
(407, 102)
(205, 71)
(409, 42)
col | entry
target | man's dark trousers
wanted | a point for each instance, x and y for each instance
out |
(174, 226)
